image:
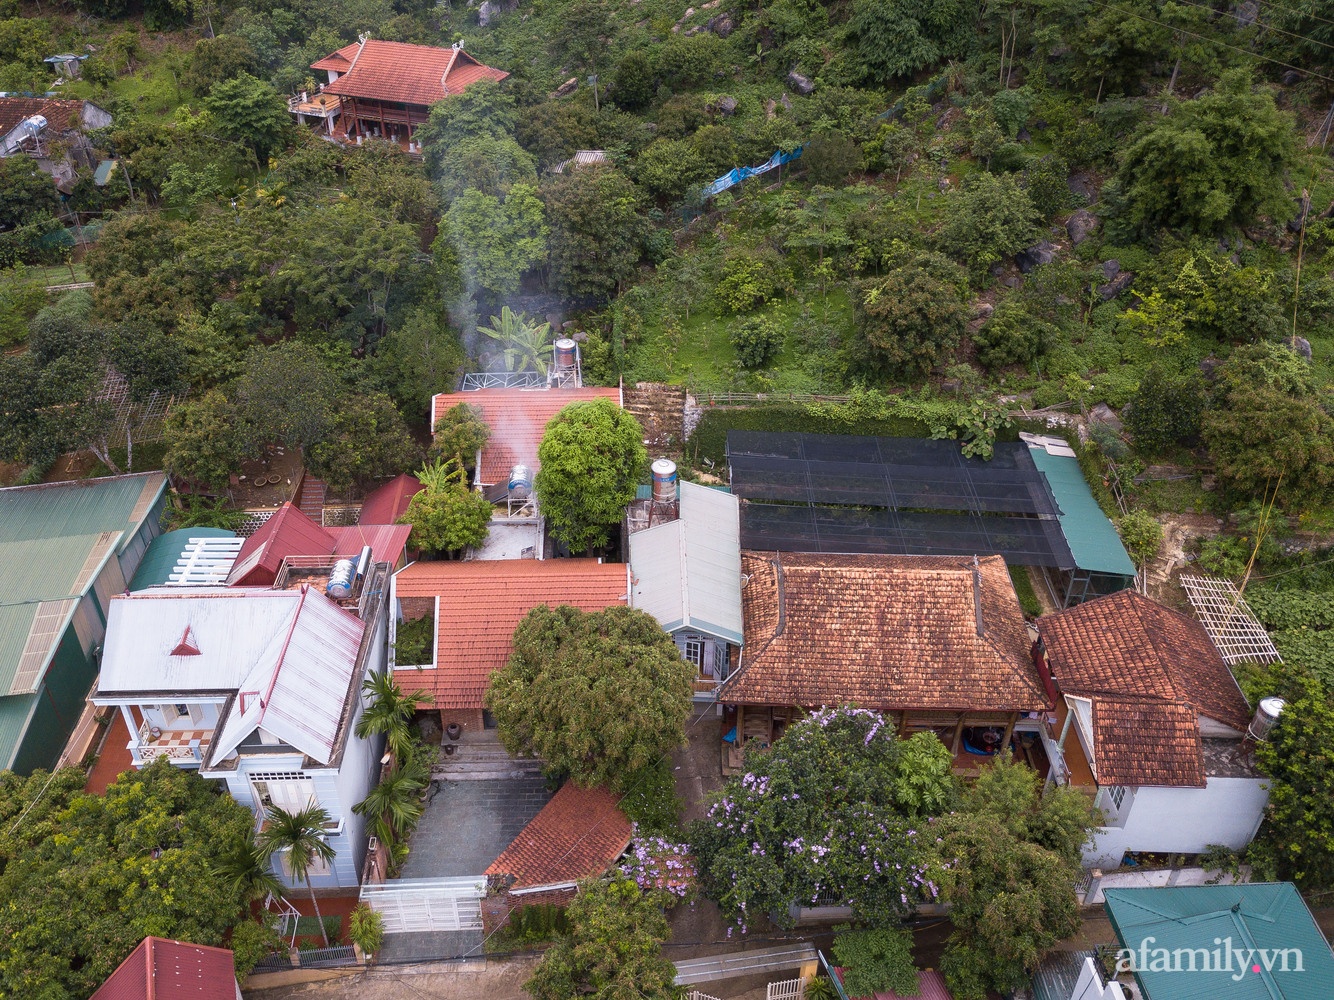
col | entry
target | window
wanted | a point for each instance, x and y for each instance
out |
(1117, 794)
(693, 651)
(193, 714)
(290, 791)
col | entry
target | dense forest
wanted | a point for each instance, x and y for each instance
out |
(1004, 204)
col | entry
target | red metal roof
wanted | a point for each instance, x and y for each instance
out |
(579, 833)
(412, 74)
(172, 970)
(387, 503)
(517, 418)
(387, 541)
(287, 533)
(482, 602)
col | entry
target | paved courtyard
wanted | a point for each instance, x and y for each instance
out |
(468, 823)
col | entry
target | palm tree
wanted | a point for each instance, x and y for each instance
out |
(397, 798)
(300, 835)
(244, 869)
(390, 711)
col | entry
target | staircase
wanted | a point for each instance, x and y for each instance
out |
(480, 757)
(310, 498)
(660, 410)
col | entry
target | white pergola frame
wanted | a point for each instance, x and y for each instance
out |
(1229, 621)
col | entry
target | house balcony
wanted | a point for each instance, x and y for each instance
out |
(321, 106)
(183, 747)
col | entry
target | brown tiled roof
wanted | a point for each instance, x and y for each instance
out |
(172, 970)
(61, 115)
(411, 74)
(885, 632)
(579, 833)
(517, 418)
(1125, 649)
(481, 603)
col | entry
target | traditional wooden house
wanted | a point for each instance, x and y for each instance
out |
(386, 89)
(936, 642)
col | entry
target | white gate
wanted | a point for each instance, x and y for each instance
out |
(790, 989)
(697, 995)
(428, 904)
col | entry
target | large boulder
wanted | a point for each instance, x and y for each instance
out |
(1111, 268)
(1116, 286)
(486, 12)
(722, 25)
(801, 84)
(1299, 346)
(566, 88)
(1035, 256)
(1081, 226)
(726, 105)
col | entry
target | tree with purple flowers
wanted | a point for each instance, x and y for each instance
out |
(835, 811)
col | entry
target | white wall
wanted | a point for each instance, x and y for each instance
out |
(1226, 811)
(361, 766)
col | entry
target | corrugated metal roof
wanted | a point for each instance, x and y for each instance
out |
(387, 503)
(15, 711)
(1058, 974)
(687, 573)
(387, 541)
(166, 551)
(298, 695)
(1266, 917)
(54, 537)
(234, 630)
(159, 969)
(1091, 536)
(287, 533)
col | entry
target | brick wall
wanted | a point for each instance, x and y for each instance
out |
(417, 607)
(496, 909)
(468, 718)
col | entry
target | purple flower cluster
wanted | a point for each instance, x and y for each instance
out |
(658, 863)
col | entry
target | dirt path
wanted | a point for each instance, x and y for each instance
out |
(1179, 534)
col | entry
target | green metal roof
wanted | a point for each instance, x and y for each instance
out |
(1177, 925)
(165, 551)
(14, 715)
(1091, 536)
(54, 539)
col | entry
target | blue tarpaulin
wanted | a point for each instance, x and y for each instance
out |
(738, 174)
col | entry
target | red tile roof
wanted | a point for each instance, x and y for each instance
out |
(338, 61)
(172, 970)
(517, 418)
(386, 504)
(1149, 671)
(396, 71)
(287, 533)
(886, 632)
(61, 115)
(579, 833)
(291, 533)
(482, 602)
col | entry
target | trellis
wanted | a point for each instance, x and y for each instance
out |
(141, 419)
(1229, 621)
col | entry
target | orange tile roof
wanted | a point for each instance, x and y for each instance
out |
(579, 833)
(481, 603)
(517, 418)
(887, 632)
(386, 504)
(411, 74)
(338, 61)
(1149, 671)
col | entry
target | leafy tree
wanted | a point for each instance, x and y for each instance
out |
(497, 241)
(586, 27)
(597, 695)
(1214, 164)
(990, 219)
(489, 164)
(894, 39)
(1142, 535)
(250, 111)
(750, 277)
(460, 434)
(832, 158)
(21, 299)
(366, 439)
(299, 838)
(597, 231)
(831, 811)
(912, 317)
(219, 58)
(756, 340)
(614, 948)
(633, 82)
(1011, 855)
(86, 877)
(1260, 434)
(1011, 336)
(670, 168)
(205, 442)
(591, 459)
(877, 960)
(418, 357)
(287, 395)
(1299, 759)
(25, 192)
(1166, 408)
(450, 519)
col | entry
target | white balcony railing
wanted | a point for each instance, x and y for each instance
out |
(185, 745)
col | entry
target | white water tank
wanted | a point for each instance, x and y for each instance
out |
(664, 480)
(521, 482)
(1265, 716)
(341, 578)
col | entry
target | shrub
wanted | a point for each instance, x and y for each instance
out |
(1166, 408)
(877, 961)
(1141, 534)
(831, 158)
(756, 340)
(750, 278)
(1012, 336)
(991, 219)
(366, 929)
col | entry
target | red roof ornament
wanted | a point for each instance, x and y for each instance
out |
(186, 646)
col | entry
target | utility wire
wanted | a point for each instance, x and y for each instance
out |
(1293, 10)
(1267, 27)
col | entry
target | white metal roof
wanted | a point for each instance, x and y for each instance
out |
(687, 572)
(299, 695)
(232, 629)
(205, 561)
